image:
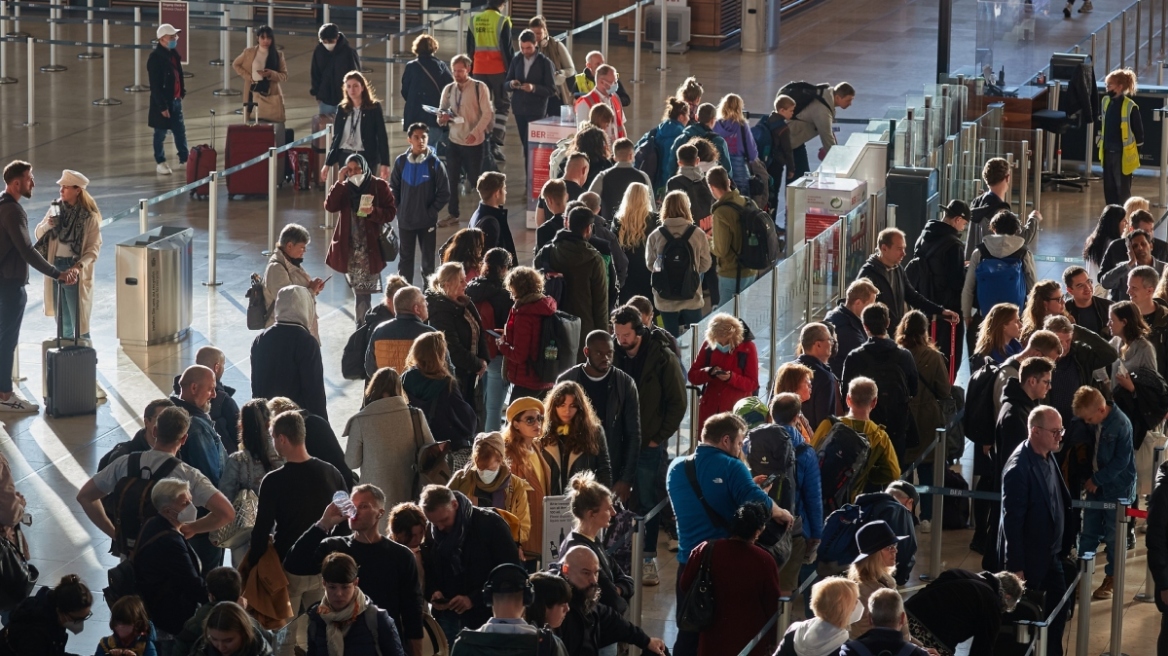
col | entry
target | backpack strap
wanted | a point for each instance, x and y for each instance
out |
(859, 648)
(985, 252)
(371, 622)
(691, 473)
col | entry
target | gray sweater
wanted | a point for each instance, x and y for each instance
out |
(16, 251)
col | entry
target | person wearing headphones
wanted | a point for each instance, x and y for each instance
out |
(508, 592)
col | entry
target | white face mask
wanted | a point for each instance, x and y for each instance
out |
(705, 167)
(857, 612)
(75, 626)
(188, 514)
(488, 476)
(356, 179)
(329, 46)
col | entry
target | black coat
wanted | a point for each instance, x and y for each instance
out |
(449, 317)
(598, 464)
(418, 88)
(286, 361)
(639, 280)
(1029, 520)
(824, 391)
(483, 290)
(621, 421)
(497, 232)
(1012, 427)
(531, 105)
(160, 68)
(616, 587)
(879, 640)
(33, 628)
(167, 569)
(849, 334)
(1157, 539)
(584, 633)
(876, 272)
(329, 69)
(374, 140)
(958, 606)
(943, 254)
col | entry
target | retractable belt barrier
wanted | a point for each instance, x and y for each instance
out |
(638, 562)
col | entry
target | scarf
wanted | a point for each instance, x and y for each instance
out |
(338, 622)
(356, 191)
(70, 229)
(448, 544)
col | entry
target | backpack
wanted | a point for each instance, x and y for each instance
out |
(805, 93)
(122, 579)
(838, 547)
(553, 281)
(451, 417)
(618, 538)
(759, 246)
(132, 504)
(645, 155)
(918, 271)
(767, 455)
(675, 275)
(559, 341)
(980, 421)
(353, 357)
(761, 132)
(1000, 279)
(257, 306)
(700, 198)
(370, 615)
(891, 410)
(431, 466)
(843, 453)
(955, 514)
(480, 643)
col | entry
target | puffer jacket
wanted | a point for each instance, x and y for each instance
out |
(521, 339)
(717, 395)
(508, 492)
(390, 342)
(285, 359)
(998, 246)
(465, 341)
(494, 304)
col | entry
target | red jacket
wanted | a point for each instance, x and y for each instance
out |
(521, 339)
(384, 211)
(721, 396)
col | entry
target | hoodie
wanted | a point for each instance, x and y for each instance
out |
(1012, 427)
(285, 359)
(738, 139)
(813, 637)
(981, 210)
(329, 69)
(942, 255)
(998, 246)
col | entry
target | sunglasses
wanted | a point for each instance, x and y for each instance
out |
(533, 421)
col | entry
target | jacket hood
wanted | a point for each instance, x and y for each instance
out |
(294, 304)
(1003, 245)
(433, 297)
(880, 345)
(1015, 395)
(545, 306)
(815, 637)
(936, 229)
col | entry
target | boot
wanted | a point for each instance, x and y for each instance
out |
(1067, 10)
(1087, 7)
(364, 303)
(1105, 589)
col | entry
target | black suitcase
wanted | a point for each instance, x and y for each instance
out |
(72, 375)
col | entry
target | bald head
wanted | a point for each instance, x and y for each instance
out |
(197, 386)
(581, 567)
(591, 200)
(211, 358)
(196, 374)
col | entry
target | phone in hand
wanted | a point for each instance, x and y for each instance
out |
(493, 333)
(770, 480)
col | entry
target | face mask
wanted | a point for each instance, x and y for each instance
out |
(173, 44)
(329, 46)
(705, 167)
(614, 89)
(488, 476)
(356, 179)
(75, 626)
(724, 348)
(857, 612)
(188, 514)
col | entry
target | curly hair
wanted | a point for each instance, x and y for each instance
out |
(913, 330)
(523, 281)
(725, 326)
(584, 431)
(593, 142)
(466, 247)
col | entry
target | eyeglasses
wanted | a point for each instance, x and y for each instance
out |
(1055, 431)
(1056, 299)
(533, 421)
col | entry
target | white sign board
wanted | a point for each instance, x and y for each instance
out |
(557, 524)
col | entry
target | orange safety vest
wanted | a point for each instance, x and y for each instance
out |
(488, 29)
(593, 98)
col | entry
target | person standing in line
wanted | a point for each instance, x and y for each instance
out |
(422, 83)
(494, 303)
(70, 237)
(167, 90)
(263, 70)
(359, 129)
(895, 291)
(332, 59)
(466, 111)
(676, 222)
(1121, 134)
(531, 79)
(285, 268)
(488, 43)
(562, 63)
(939, 272)
(1157, 542)
(733, 127)
(818, 119)
(422, 188)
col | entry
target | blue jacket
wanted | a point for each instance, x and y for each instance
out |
(695, 129)
(1028, 532)
(726, 484)
(884, 506)
(421, 189)
(824, 391)
(667, 132)
(203, 449)
(1115, 458)
(809, 506)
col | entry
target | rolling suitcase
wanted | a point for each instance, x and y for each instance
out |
(71, 373)
(303, 168)
(200, 162)
(243, 143)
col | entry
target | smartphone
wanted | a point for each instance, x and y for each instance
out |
(770, 480)
(329, 278)
(493, 333)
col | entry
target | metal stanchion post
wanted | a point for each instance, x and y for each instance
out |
(361, 30)
(225, 23)
(388, 64)
(222, 59)
(664, 35)
(1039, 140)
(1149, 593)
(784, 620)
(143, 213)
(1122, 38)
(389, 94)
(938, 506)
(1107, 52)
(271, 199)
(89, 54)
(31, 72)
(1163, 24)
(737, 306)
(1023, 170)
(693, 398)
(401, 8)
(635, 604)
(568, 43)
(1086, 570)
(330, 179)
(1151, 31)
(772, 360)
(604, 36)
(271, 14)
(107, 98)
(463, 17)
(1040, 645)
(16, 31)
(1163, 160)
(212, 228)
(137, 86)
(637, 79)
(54, 14)
(1120, 577)
(4, 79)
(325, 13)
(250, 38)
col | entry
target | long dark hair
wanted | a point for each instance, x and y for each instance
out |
(466, 248)
(1107, 230)
(272, 63)
(253, 434)
(584, 431)
(496, 263)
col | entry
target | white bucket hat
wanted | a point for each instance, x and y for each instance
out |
(70, 178)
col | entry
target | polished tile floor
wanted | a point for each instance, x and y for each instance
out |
(884, 48)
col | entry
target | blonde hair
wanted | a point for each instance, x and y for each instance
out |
(444, 274)
(676, 206)
(870, 570)
(1126, 78)
(633, 215)
(585, 494)
(730, 108)
(833, 599)
(86, 201)
(725, 326)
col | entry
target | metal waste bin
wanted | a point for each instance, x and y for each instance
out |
(760, 25)
(154, 286)
(914, 191)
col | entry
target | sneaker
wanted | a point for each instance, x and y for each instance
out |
(448, 221)
(926, 526)
(1067, 10)
(17, 403)
(99, 393)
(497, 152)
(162, 169)
(649, 574)
(1086, 8)
(1105, 589)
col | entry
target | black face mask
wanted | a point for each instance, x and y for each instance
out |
(1113, 94)
(296, 261)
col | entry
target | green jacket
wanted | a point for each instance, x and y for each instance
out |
(585, 281)
(727, 241)
(660, 386)
(1091, 352)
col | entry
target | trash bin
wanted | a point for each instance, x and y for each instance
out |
(154, 286)
(760, 25)
(914, 192)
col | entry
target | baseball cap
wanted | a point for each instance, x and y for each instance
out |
(166, 29)
(957, 208)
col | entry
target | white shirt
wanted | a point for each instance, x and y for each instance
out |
(201, 488)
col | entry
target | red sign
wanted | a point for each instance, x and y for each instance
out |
(177, 14)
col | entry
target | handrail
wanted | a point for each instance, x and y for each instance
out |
(563, 36)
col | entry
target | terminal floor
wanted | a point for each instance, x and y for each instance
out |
(885, 49)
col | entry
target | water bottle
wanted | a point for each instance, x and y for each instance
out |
(551, 352)
(659, 263)
(342, 501)
(55, 209)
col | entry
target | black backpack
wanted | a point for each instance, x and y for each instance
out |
(700, 198)
(553, 281)
(677, 278)
(920, 275)
(771, 452)
(981, 421)
(132, 505)
(805, 93)
(759, 248)
(955, 514)
(353, 357)
(842, 455)
(480, 643)
(645, 156)
(559, 341)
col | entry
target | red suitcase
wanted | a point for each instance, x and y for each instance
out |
(201, 161)
(303, 168)
(243, 143)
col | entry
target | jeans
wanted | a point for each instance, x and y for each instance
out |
(1116, 185)
(179, 128)
(674, 320)
(303, 592)
(322, 108)
(68, 304)
(645, 487)
(438, 139)
(426, 239)
(13, 298)
(450, 623)
(1099, 526)
(459, 159)
(496, 392)
(726, 287)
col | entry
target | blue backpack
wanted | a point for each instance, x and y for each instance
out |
(762, 139)
(1000, 279)
(838, 547)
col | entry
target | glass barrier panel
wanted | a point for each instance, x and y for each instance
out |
(791, 275)
(826, 264)
(754, 309)
(1004, 51)
(856, 248)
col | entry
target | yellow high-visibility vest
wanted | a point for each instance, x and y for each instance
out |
(1131, 153)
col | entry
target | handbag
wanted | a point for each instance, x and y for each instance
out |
(262, 87)
(17, 575)
(388, 243)
(696, 613)
(238, 531)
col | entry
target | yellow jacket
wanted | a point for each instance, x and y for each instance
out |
(882, 467)
(514, 491)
